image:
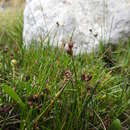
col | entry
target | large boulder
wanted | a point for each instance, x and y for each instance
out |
(85, 22)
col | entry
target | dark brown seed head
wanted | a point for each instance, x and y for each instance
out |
(68, 74)
(90, 30)
(12, 56)
(57, 23)
(89, 77)
(29, 103)
(27, 78)
(95, 35)
(70, 45)
(6, 50)
(85, 77)
(70, 52)
(70, 48)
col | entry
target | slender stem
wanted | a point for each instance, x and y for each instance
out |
(48, 108)
(74, 68)
(100, 120)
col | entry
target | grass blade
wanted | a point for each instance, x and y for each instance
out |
(13, 95)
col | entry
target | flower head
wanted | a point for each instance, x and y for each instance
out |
(13, 62)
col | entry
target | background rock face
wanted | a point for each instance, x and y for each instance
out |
(86, 21)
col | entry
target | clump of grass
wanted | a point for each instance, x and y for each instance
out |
(46, 88)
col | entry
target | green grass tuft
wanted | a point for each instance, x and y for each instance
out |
(59, 91)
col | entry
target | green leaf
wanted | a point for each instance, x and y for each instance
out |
(13, 95)
(116, 125)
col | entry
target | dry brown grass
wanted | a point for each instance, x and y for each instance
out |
(12, 3)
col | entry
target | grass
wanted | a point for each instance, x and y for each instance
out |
(12, 3)
(48, 89)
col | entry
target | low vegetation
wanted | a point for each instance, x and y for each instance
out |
(50, 89)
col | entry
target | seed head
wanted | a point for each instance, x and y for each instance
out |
(70, 48)
(13, 62)
(11, 55)
(67, 74)
(85, 77)
(27, 78)
(95, 35)
(57, 23)
(90, 30)
(29, 103)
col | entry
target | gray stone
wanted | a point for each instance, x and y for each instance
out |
(86, 22)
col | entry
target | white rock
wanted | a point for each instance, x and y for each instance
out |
(86, 21)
